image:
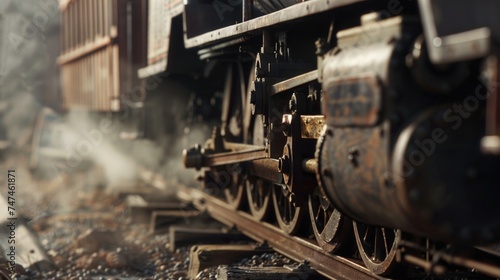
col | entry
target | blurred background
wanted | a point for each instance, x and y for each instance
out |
(38, 136)
(29, 77)
(71, 164)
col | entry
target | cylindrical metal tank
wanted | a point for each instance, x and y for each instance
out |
(396, 156)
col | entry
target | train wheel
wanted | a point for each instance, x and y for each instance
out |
(258, 191)
(235, 192)
(289, 217)
(259, 196)
(377, 247)
(331, 229)
(233, 110)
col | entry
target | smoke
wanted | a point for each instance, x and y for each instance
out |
(87, 141)
(81, 151)
(20, 117)
(28, 48)
(88, 138)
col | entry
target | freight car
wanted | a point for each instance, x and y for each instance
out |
(375, 123)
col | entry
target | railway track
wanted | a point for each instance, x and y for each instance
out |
(298, 249)
(307, 251)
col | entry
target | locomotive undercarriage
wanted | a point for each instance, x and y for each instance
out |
(362, 138)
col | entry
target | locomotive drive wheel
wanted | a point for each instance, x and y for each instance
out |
(235, 94)
(235, 192)
(259, 196)
(289, 217)
(258, 191)
(331, 229)
(377, 247)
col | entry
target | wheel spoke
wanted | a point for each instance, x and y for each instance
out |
(317, 217)
(290, 211)
(326, 218)
(379, 258)
(385, 242)
(287, 215)
(258, 197)
(329, 227)
(365, 237)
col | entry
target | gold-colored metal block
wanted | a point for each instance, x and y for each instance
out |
(311, 126)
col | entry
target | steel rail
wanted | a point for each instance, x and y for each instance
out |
(331, 266)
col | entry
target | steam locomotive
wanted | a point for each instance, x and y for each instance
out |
(369, 121)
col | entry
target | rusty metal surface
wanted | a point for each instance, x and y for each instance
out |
(388, 165)
(310, 165)
(355, 181)
(354, 154)
(230, 153)
(311, 126)
(353, 100)
(447, 206)
(333, 267)
(332, 230)
(285, 15)
(266, 169)
(296, 149)
(234, 157)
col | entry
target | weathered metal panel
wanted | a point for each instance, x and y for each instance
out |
(354, 100)
(282, 16)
